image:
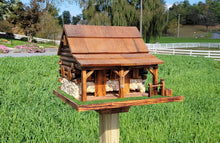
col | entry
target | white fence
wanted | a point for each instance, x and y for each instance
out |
(184, 45)
(173, 51)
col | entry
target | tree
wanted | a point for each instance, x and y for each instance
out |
(76, 19)
(207, 15)
(48, 26)
(66, 17)
(30, 19)
(127, 13)
(6, 8)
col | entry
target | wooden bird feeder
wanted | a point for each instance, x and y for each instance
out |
(108, 62)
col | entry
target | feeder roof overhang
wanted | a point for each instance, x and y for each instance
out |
(107, 46)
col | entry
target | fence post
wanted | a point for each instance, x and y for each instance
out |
(190, 52)
(173, 51)
(209, 54)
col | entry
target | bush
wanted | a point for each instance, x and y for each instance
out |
(34, 41)
(50, 42)
(31, 48)
(24, 39)
(4, 49)
(3, 40)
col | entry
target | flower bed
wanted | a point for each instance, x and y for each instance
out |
(31, 48)
(4, 49)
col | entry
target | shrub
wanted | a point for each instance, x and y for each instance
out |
(34, 41)
(31, 48)
(50, 42)
(3, 40)
(24, 39)
(4, 49)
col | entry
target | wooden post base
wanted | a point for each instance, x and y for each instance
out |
(109, 124)
(109, 128)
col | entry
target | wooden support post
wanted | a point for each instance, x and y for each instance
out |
(83, 79)
(149, 90)
(100, 83)
(121, 83)
(162, 87)
(155, 79)
(127, 84)
(109, 128)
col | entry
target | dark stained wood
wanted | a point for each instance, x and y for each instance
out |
(68, 59)
(89, 74)
(136, 73)
(168, 92)
(63, 72)
(89, 31)
(84, 90)
(121, 62)
(155, 79)
(103, 46)
(149, 90)
(121, 83)
(66, 52)
(113, 56)
(114, 110)
(119, 104)
(127, 83)
(100, 83)
(64, 40)
(70, 64)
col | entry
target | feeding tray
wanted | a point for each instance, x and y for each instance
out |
(114, 106)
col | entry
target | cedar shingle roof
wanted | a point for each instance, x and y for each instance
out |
(106, 46)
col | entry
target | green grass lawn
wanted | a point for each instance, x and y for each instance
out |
(29, 112)
(184, 40)
(19, 42)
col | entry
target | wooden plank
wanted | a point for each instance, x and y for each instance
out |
(89, 74)
(101, 56)
(66, 50)
(155, 79)
(84, 91)
(122, 62)
(67, 54)
(114, 110)
(121, 83)
(103, 45)
(100, 83)
(127, 84)
(101, 31)
(149, 90)
(109, 128)
(68, 59)
(119, 104)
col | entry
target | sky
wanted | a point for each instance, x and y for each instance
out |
(75, 9)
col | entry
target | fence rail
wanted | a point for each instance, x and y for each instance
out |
(183, 45)
(205, 53)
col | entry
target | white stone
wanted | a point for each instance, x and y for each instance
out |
(74, 89)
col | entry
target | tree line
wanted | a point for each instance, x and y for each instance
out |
(207, 14)
(41, 17)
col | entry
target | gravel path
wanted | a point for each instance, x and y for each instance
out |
(12, 53)
(27, 54)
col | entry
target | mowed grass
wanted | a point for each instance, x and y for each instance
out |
(29, 112)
